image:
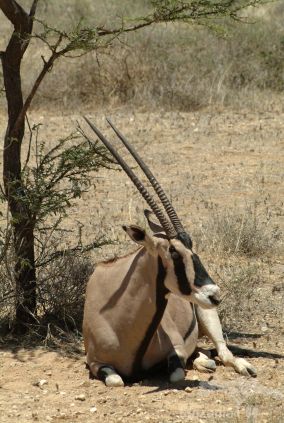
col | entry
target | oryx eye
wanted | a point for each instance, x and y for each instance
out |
(174, 253)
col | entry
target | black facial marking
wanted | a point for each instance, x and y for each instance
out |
(161, 303)
(185, 239)
(180, 273)
(174, 253)
(201, 276)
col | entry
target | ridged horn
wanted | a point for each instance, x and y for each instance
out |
(153, 181)
(168, 227)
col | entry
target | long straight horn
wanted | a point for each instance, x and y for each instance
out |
(168, 227)
(155, 184)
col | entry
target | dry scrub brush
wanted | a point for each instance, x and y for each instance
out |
(238, 245)
(245, 232)
(52, 179)
(174, 68)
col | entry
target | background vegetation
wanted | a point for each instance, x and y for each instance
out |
(183, 68)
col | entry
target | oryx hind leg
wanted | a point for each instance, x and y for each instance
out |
(110, 377)
(210, 325)
(106, 373)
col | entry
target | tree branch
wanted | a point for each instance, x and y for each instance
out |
(14, 12)
(46, 68)
(33, 9)
(102, 32)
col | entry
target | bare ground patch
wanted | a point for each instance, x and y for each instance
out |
(231, 160)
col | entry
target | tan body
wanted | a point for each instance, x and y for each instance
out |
(120, 308)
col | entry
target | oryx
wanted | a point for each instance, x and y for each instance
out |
(149, 307)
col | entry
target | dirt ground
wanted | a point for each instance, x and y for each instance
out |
(226, 158)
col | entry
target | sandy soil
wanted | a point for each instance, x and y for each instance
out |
(226, 158)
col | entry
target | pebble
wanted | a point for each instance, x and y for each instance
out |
(93, 409)
(80, 397)
(40, 383)
(188, 389)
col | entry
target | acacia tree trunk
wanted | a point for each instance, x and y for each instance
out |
(23, 226)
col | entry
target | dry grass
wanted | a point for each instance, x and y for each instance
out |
(239, 245)
(240, 287)
(61, 285)
(61, 290)
(174, 67)
(248, 232)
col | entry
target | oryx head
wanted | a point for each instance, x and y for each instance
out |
(185, 274)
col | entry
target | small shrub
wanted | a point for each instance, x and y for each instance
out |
(61, 290)
(240, 287)
(248, 232)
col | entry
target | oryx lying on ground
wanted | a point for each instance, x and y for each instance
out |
(149, 307)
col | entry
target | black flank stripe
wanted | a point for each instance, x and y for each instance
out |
(183, 283)
(192, 324)
(161, 303)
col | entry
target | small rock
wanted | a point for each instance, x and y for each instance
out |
(194, 377)
(188, 389)
(80, 397)
(93, 409)
(40, 383)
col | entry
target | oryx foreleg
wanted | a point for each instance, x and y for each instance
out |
(176, 366)
(210, 325)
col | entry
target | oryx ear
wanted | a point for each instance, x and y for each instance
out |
(136, 233)
(153, 222)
